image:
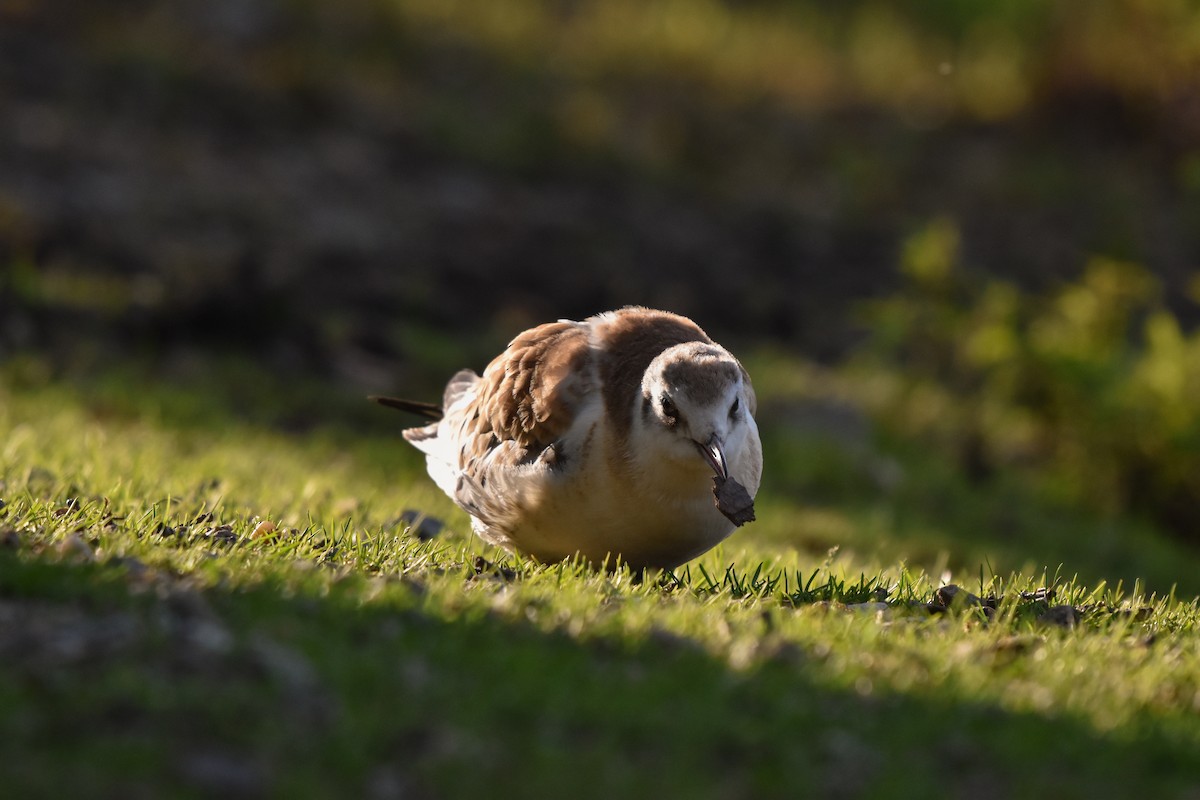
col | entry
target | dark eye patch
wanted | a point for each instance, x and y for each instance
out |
(669, 411)
(733, 409)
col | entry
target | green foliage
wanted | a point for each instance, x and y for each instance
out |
(1094, 388)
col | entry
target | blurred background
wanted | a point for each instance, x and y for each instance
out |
(952, 227)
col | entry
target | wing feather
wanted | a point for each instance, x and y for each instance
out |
(524, 402)
(529, 393)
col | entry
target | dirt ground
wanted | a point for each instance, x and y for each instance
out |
(164, 181)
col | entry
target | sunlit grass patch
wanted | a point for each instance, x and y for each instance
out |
(222, 605)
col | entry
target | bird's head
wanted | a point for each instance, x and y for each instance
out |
(696, 405)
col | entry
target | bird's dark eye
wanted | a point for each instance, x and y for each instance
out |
(669, 411)
(733, 409)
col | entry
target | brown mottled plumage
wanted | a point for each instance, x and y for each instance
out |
(599, 438)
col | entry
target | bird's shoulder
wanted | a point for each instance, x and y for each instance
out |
(529, 394)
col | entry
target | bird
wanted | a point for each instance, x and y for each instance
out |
(626, 438)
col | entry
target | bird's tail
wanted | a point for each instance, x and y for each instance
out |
(430, 411)
(462, 382)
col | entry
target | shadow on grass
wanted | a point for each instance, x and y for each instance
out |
(184, 691)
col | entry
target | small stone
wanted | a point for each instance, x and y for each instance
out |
(165, 531)
(264, 528)
(9, 538)
(419, 525)
(951, 596)
(482, 566)
(222, 534)
(1062, 616)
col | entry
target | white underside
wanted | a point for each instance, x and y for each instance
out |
(595, 504)
(645, 510)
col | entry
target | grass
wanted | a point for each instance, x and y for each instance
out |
(154, 645)
(156, 639)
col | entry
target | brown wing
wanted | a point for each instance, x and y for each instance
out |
(529, 393)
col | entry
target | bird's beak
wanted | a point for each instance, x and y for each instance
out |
(714, 455)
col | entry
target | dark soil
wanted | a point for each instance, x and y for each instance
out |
(333, 193)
